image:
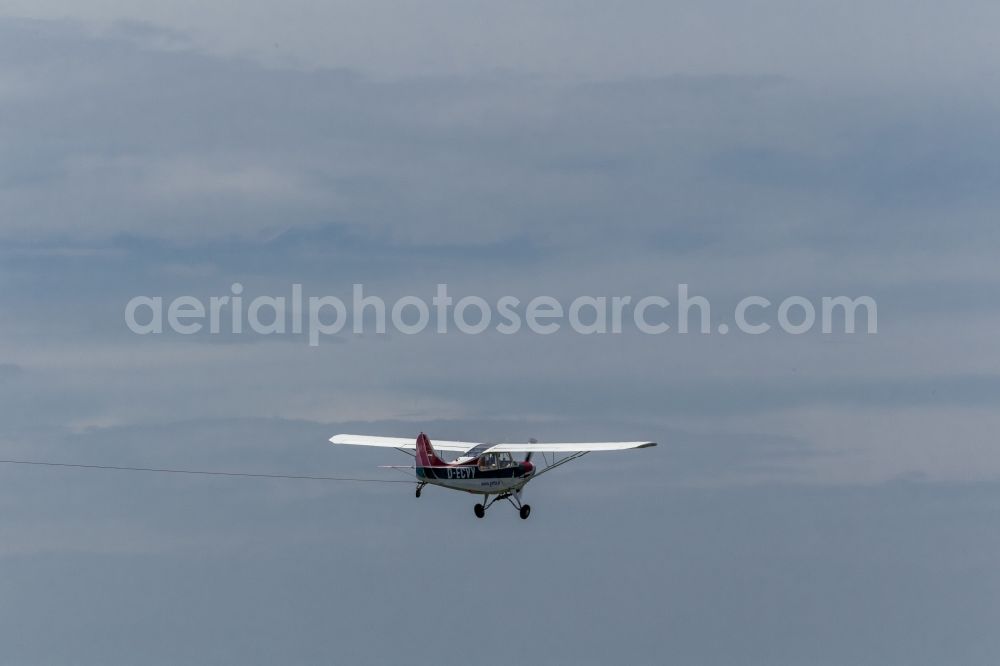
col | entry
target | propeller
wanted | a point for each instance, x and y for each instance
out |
(524, 510)
(527, 458)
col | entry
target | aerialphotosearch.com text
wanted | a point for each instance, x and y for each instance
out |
(317, 317)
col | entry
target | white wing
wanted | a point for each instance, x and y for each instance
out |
(466, 447)
(399, 442)
(569, 447)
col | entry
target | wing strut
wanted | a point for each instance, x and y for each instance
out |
(556, 463)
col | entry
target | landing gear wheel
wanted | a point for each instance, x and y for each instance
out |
(480, 511)
(419, 488)
(525, 511)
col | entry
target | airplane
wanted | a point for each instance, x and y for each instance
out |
(483, 469)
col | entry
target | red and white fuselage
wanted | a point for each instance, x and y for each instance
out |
(484, 473)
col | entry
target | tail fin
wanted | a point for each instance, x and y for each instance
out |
(425, 453)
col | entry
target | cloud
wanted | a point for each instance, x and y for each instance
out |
(120, 135)
(892, 45)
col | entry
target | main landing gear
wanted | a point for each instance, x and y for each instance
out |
(523, 510)
(420, 486)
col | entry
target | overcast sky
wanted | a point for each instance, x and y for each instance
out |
(815, 499)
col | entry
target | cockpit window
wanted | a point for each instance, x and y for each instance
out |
(496, 461)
